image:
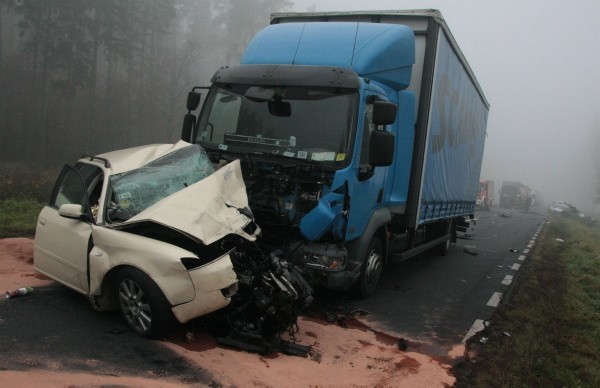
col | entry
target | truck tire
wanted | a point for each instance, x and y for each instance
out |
(442, 249)
(142, 304)
(371, 269)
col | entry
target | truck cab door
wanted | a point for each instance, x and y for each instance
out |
(367, 189)
(61, 243)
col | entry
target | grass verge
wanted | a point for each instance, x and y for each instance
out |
(548, 333)
(18, 217)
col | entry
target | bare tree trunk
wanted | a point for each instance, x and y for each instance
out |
(93, 82)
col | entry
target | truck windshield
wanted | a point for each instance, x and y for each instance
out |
(297, 122)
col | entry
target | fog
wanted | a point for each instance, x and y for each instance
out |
(87, 77)
(537, 63)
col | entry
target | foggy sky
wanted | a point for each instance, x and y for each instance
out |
(538, 63)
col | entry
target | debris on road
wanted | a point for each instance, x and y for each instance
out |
(271, 295)
(483, 340)
(560, 240)
(469, 252)
(513, 250)
(118, 330)
(18, 292)
(506, 333)
(504, 215)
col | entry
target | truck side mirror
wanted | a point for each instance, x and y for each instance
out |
(384, 112)
(193, 100)
(189, 122)
(381, 148)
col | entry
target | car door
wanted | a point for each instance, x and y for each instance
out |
(61, 243)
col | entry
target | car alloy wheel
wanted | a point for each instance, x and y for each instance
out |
(135, 306)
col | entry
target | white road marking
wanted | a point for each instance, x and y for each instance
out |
(507, 280)
(521, 258)
(516, 266)
(475, 328)
(532, 242)
(529, 246)
(525, 251)
(495, 299)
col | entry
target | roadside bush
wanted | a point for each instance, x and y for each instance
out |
(18, 217)
(18, 181)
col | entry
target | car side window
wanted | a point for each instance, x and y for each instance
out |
(70, 188)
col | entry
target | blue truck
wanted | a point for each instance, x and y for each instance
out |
(361, 138)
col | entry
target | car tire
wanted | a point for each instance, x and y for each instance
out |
(371, 269)
(142, 304)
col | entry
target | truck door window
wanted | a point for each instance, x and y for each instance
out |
(368, 127)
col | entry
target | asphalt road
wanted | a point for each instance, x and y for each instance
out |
(57, 329)
(430, 298)
(437, 299)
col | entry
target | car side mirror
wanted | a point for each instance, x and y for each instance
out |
(381, 148)
(73, 211)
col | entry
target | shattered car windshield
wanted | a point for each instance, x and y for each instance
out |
(136, 190)
(311, 123)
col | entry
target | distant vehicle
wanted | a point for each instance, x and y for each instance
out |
(557, 207)
(567, 210)
(513, 195)
(485, 195)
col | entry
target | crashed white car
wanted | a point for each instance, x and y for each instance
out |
(143, 230)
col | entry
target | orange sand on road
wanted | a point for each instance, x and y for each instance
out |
(341, 356)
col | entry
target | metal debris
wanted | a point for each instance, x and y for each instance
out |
(469, 252)
(271, 295)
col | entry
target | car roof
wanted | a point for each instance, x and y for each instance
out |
(135, 157)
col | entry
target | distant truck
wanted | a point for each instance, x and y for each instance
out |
(513, 195)
(360, 134)
(485, 195)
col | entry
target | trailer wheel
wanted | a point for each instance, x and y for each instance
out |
(371, 269)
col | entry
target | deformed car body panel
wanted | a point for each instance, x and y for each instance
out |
(207, 210)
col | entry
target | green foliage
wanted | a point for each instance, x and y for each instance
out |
(22, 182)
(553, 317)
(18, 217)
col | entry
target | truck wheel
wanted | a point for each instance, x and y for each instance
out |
(442, 249)
(142, 303)
(371, 269)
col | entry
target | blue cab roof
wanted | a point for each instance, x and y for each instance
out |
(381, 52)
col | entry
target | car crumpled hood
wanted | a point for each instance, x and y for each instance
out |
(206, 210)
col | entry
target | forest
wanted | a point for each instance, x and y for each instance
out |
(86, 76)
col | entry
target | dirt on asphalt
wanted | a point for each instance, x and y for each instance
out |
(351, 354)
